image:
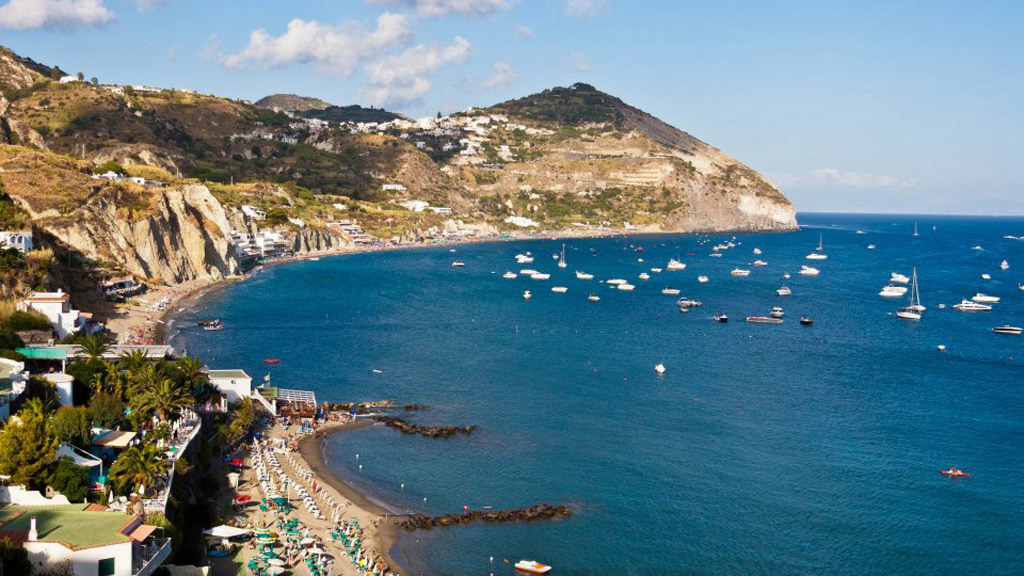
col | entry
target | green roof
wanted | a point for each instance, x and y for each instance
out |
(71, 524)
(44, 353)
(235, 374)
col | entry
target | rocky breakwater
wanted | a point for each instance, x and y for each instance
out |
(535, 513)
(182, 236)
(429, 431)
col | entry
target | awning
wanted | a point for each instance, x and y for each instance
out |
(114, 439)
(225, 531)
(142, 532)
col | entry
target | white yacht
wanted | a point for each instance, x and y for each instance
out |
(593, 298)
(670, 291)
(615, 281)
(584, 276)
(740, 272)
(703, 279)
(985, 298)
(986, 276)
(809, 271)
(913, 311)
(817, 254)
(899, 278)
(759, 263)
(541, 276)
(688, 303)
(1004, 265)
(976, 248)
(561, 261)
(559, 289)
(757, 251)
(626, 287)
(528, 272)
(871, 246)
(509, 275)
(1013, 330)
(523, 259)
(891, 291)
(968, 306)
(786, 276)
(656, 270)
(714, 255)
(674, 264)
(458, 264)
(644, 276)
(527, 295)
(784, 291)
(659, 368)
(777, 312)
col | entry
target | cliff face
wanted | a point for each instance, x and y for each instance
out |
(311, 240)
(185, 237)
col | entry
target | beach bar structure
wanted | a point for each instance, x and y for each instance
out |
(287, 402)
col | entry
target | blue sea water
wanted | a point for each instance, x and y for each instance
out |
(785, 450)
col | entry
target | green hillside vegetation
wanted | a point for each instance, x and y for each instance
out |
(353, 113)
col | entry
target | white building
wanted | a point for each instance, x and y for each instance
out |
(415, 205)
(253, 212)
(521, 221)
(63, 383)
(13, 378)
(440, 209)
(68, 79)
(56, 306)
(20, 239)
(393, 187)
(233, 384)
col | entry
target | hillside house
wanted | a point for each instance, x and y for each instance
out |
(21, 240)
(233, 384)
(393, 188)
(56, 306)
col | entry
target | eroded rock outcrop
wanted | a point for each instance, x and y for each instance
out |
(429, 431)
(531, 514)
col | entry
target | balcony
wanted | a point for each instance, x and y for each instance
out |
(148, 557)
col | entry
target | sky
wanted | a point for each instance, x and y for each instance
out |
(869, 106)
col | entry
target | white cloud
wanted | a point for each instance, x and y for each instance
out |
(503, 74)
(472, 8)
(524, 31)
(406, 77)
(336, 49)
(846, 179)
(578, 62)
(61, 14)
(584, 8)
(149, 4)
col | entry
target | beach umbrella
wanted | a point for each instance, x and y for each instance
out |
(306, 541)
(236, 462)
(243, 498)
(316, 550)
(253, 564)
(274, 570)
(275, 562)
(271, 554)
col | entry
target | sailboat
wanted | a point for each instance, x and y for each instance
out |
(912, 312)
(817, 254)
(561, 261)
(915, 230)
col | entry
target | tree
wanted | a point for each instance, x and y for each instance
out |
(13, 560)
(106, 410)
(81, 77)
(26, 450)
(190, 370)
(71, 424)
(94, 81)
(71, 480)
(138, 466)
(94, 347)
(165, 397)
(133, 361)
(43, 392)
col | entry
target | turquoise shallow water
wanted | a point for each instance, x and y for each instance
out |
(763, 449)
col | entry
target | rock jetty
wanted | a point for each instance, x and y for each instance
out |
(531, 514)
(428, 431)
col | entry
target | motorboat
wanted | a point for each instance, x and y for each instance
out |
(818, 254)
(271, 361)
(786, 276)
(1020, 287)
(809, 271)
(593, 298)
(644, 276)
(640, 260)
(954, 472)
(764, 320)
(524, 258)
(703, 279)
(615, 281)
(560, 289)
(976, 248)
(986, 276)
(216, 327)
(541, 276)
(209, 322)
(1004, 265)
(458, 264)
(757, 251)
(659, 368)
(715, 255)
(968, 306)
(899, 278)
(670, 291)
(688, 302)
(861, 232)
(784, 291)
(777, 312)
(805, 321)
(528, 272)
(561, 261)
(527, 295)
(509, 275)
(759, 263)
(1014, 330)
(871, 246)
(720, 318)
(584, 276)
(740, 272)
(626, 287)
(532, 566)
(985, 298)
(674, 264)
(656, 270)
(639, 249)
(891, 291)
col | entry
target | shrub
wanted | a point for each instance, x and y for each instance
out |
(71, 480)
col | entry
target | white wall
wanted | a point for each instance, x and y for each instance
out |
(19, 495)
(85, 562)
(233, 388)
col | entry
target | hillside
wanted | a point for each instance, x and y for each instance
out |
(291, 103)
(570, 158)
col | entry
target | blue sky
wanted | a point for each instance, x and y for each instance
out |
(846, 106)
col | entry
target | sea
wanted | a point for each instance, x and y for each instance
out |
(762, 449)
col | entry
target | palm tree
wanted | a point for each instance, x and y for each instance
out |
(165, 397)
(133, 361)
(94, 347)
(138, 465)
(190, 369)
